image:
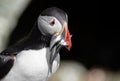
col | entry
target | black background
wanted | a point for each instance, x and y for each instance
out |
(94, 42)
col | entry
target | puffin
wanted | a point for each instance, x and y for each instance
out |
(36, 56)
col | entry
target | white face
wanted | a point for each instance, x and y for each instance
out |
(49, 25)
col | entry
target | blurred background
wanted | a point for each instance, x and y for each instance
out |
(95, 52)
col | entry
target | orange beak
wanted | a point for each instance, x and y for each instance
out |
(68, 38)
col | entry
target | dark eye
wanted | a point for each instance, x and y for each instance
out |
(52, 22)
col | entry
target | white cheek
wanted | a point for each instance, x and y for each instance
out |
(58, 26)
(42, 27)
(48, 29)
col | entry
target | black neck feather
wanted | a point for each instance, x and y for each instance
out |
(35, 40)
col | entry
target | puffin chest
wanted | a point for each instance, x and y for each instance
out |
(30, 65)
(33, 62)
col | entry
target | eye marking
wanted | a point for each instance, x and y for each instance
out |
(52, 22)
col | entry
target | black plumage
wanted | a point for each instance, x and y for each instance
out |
(8, 55)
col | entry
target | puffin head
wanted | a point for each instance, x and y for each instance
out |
(53, 22)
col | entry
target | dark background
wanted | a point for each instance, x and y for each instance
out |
(94, 43)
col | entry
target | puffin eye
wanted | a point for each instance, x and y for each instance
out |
(52, 22)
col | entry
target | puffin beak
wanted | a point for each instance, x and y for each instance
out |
(63, 39)
(68, 37)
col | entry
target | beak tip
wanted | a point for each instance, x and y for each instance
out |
(68, 49)
(69, 46)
